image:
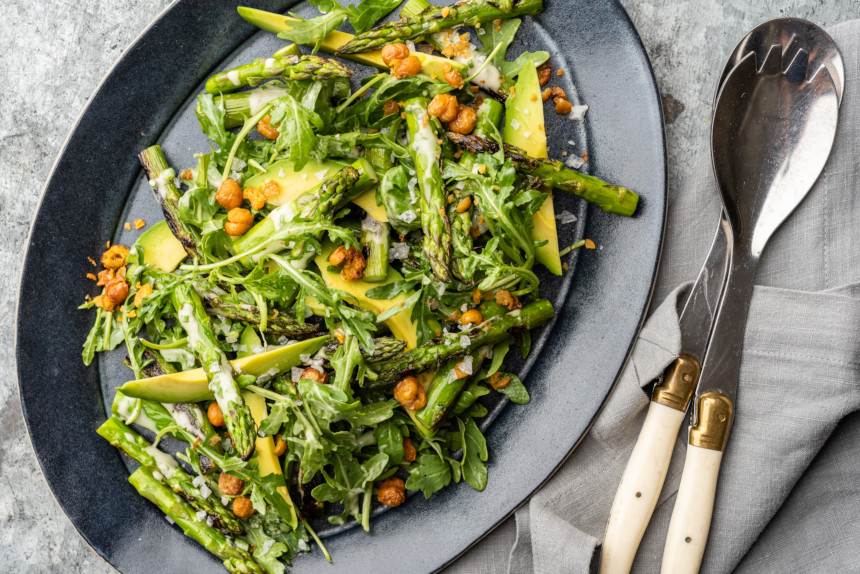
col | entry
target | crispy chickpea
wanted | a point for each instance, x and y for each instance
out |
(255, 197)
(214, 414)
(229, 194)
(114, 258)
(313, 374)
(453, 78)
(391, 53)
(410, 394)
(271, 189)
(557, 92)
(280, 446)
(471, 316)
(337, 257)
(239, 220)
(390, 107)
(187, 174)
(105, 276)
(406, 68)
(506, 299)
(465, 122)
(266, 129)
(242, 507)
(392, 492)
(562, 107)
(409, 451)
(464, 204)
(230, 485)
(116, 290)
(499, 381)
(353, 268)
(545, 94)
(142, 293)
(477, 295)
(544, 72)
(444, 107)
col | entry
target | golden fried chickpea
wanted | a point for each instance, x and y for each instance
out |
(506, 299)
(444, 107)
(562, 107)
(187, 174)
(391, 53)
(230, 485)
(229, 194)
(104, 276)
(255, 197)
(499, 381)
(280, 446)
(465, 121)
(477, 295)
(214, 414)
(243, 507)
(392, 492)
(410, 394)
(115, 257)
(557, 92)
(266, 130)
(453, 78)
(464, 204)
(116, 290)
(142, 293)
(409, 451)
(337, 257)
(354, 266)
(544, 72)
(471, 316)
(239, 220)
(390, 107)
(315, 375)
(545, 94)
(406, 68)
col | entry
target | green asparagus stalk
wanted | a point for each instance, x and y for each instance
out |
(288, 67)
(489, 115)
(203, 342)
(235, 560)
(608, 197)
(433, 20)
(446, 388)
(240, 106)
(384, 348)
(320, 202)
(375, 240)
(279, 324)
(426, 151)
(135, 446)
(431, 356)
(161, 176)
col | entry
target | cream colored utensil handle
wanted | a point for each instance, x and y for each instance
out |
(646, 470)
(694, 505)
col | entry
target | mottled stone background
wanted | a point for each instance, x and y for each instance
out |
(54, 53)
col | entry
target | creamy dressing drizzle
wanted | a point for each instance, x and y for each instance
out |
(424, 142)
(233, 76)
(259, 98)
(190, 324)
(223, 384)
(165, 463)
(183, 418)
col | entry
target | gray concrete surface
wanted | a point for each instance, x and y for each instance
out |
(54, 53)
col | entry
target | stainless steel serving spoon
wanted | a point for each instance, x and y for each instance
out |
(772, 132)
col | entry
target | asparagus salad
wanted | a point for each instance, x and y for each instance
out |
(339, 278)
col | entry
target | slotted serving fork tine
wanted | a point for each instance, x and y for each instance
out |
(772, 132)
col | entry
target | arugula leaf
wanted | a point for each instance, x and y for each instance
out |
(367, 12)
(474, 454)
(345, 361)
(268, 558)
(397, 194)
(469, 395)
(348, 482)
(210, 114)
(389, 439)
(390, 290)
(294, 126)
(431, 474)
(516, 390)
(313, 30)
(507, 30)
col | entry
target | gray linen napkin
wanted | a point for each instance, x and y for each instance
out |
(789, 496)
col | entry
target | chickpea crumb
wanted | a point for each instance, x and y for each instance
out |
(562, 107)
(92, 276)
(499, 381)
(506, 299)
(338, 334)
(477, 294)
(93, 261)
(544, 71)
(585, 156)
(215, 416)
(560, 73)
(139, 224)
(390, 107)
(406, 68)
(445, 11)
(409, 451)
(187, 174)
(589, 244)
(127, 226)
(464, 204)
(392, 492)
(280, 446)
(482, 169)
(546, 94)
(265, 129)
(565, 266)
(255, 196)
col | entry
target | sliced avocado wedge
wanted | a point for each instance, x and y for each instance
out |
(160, 247)
(192, 386)
(264, 453)
(524, 109)
(277, 23)
(400, 324)
(367, 201)
(294, 183)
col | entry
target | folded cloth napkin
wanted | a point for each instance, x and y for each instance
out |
(789, 496)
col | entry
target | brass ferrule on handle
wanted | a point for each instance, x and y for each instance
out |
(679, 382)
(715, 413)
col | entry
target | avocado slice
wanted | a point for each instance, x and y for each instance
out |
(524, 109)
(264, 453)
(192, 386)
(276, 23)
(400, 324)
(161, 249)
(367, 201)
(294, 183)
